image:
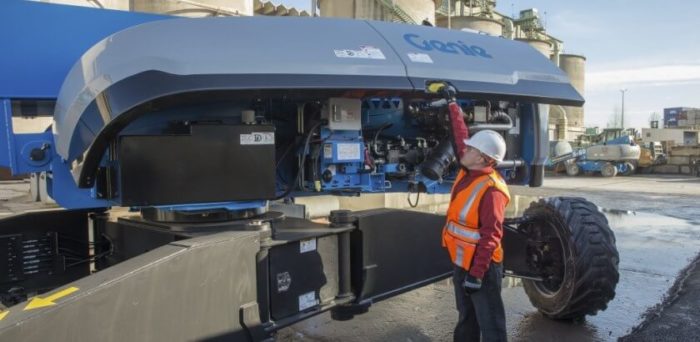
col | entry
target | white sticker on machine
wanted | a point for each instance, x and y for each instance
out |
(419, 58)
(328, 151)
(365, 51)
(258, 138)
(284, 280)
(307, 300)
(307, 245)
(348, 151)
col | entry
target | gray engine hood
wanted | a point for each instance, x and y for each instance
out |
(168, 57)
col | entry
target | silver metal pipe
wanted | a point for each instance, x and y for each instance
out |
(509, 164)
(493, 127)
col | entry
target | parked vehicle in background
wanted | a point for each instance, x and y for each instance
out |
(651, 154)
(610, 158)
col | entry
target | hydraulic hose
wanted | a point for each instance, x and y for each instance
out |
(303, 161)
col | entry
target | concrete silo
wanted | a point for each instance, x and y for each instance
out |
(185, 8)
(575, 67)
(491, 26)
(529, 29)
(109, 4)
(476, 15)
(541, 45)
(194, 8)
(409, 11)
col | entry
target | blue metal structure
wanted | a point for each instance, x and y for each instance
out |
(199, 124)
(622, 160)
(623, 167)
(41, 42)
(130, 78)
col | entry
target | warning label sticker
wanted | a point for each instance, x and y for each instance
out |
(328, 151)
(348, 151)
(258, 138)
(307, 245)
(307, 300)
(366, 51)
(420, 58)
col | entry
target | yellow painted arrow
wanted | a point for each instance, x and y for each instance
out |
(38, 302)
(3, 314)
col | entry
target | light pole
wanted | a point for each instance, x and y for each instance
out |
(623, 91)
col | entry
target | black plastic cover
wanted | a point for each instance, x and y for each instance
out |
(214, 163)
(394, 251)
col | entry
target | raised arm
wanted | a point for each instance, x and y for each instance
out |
(460, 131)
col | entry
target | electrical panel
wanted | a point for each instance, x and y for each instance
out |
(343, 114)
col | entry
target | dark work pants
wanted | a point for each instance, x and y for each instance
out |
(482, 311)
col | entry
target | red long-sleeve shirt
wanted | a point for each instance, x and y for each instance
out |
(492, 206)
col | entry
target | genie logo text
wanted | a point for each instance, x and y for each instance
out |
(457, 47)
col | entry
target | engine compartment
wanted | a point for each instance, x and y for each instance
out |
(336, 145)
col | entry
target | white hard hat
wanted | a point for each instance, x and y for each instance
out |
(489, 143)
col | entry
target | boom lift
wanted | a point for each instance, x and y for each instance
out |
(609, 158)
(207, 130)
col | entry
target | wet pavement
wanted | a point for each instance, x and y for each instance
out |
(653, 249)
(657, 241)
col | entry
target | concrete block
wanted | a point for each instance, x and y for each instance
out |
(666, 169)
(679, 160)
(678, 151)
(685, 169)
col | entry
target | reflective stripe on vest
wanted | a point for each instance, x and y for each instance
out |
(460, 256)
(470, 202)
(459, 231)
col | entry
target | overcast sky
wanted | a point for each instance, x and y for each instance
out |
(649, 47)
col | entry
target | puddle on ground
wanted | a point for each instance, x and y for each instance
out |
(653, 250)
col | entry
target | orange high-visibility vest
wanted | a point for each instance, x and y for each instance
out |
(461, 232)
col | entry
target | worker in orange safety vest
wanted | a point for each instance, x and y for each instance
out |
(474, 228)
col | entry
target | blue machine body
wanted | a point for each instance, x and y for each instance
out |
(622, 167)
(342, 158)
(42, 43)
(114, 73)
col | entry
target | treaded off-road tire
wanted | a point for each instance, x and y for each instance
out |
(629, 169)
(608, 170)
(585, 280)
(573, 169)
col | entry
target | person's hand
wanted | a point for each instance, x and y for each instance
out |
(471, 284)
(443, 89)
(449, 93)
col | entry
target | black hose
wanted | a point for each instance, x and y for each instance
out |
(501, 118)
(303, 161)
(408, 198)
(376, 136)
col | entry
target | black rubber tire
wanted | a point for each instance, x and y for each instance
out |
(608, 170)
(629, 169)
(573, 170)
(589, 257)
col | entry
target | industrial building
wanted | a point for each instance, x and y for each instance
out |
(678, 136)
(682, 117)
(260, 178)
(566, 123)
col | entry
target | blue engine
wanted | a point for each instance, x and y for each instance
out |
(344, 164)
(334, 119)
